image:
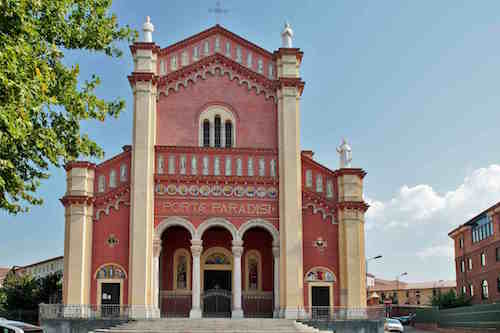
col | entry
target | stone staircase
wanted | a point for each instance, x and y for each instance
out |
(209, 325)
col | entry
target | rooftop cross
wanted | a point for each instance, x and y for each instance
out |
(218, 10)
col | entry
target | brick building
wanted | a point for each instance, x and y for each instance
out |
(42, 268)
(477, 256)
(214, 198)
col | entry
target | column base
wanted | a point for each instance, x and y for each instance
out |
(195, 313)
(277, 313)
(143, 312)
(237, 314)
(293, 313)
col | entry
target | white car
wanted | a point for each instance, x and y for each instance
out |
(10, 326)
(393, 325)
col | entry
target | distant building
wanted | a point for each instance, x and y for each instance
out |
(42, 268)
(3, 274)
(477, 256)
(370, 281)
(404, 293)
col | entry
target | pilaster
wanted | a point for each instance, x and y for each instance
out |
(351, 209)
(196, 249)
(78, 206)
(290, 88)
(143, 82)
(237, 252)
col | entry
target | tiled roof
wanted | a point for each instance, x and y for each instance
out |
(385, 285)
(3, 272)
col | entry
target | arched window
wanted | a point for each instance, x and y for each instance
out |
(319, 183)
(217, 131)
(123, 173)
(101, 184)
(182, 269)
(217, 127)
(309, 178)
(206, 133)
(229, 134)
(484, 289)
(161, 165)
(253, 269)
(112, 179)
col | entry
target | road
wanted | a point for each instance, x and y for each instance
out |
(409, 329)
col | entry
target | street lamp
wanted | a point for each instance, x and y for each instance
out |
(366, 268)
(397, 284)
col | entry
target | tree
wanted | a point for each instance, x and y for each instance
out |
(19, 293)
(41, 104)
(450, 300)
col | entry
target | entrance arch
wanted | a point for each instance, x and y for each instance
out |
(174, 221)
(216, 222)
(262, 224)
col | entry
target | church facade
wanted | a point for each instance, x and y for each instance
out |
(214, 209)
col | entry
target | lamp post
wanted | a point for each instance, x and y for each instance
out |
(366, 270)
(397, 284)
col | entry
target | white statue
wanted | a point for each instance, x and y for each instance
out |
(345, 154)
(148, 29)
(286, 36)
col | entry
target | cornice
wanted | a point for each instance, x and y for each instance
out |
(217, 29)
(79, 164)
(144, 46)
(292, 82)
(102, 198)
(288, 51)
(307, 159)
(142, 77)
(215, 151)
(203, 179)
(216, 64)
(353, 205)
(76, 199)
(351, 171)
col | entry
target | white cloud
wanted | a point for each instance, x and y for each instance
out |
(421, 204)
(411, 229)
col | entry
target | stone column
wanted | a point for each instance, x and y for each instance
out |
(289, 90)
(156, 276)
(237, 252)
(351, 211)
(78, 234)
(276, 270)
(143, 81)
(212, 134)
(196, 250)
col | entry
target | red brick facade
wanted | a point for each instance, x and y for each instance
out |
(469, 252)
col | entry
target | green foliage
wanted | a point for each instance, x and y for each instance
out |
(41, 103)
(450, 300)
(23, 292)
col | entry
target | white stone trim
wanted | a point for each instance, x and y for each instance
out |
(107, 209)
(216, 222)
(262, 224)
(209, 114)
(321, 210)
(220, 70)
(174, 221)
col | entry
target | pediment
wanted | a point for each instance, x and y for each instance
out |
(216, 41)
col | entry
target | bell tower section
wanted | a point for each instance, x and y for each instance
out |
(290, 88)
(143, 82)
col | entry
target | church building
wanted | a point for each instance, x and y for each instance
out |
(214, 210)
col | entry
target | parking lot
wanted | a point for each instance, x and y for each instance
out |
(409, 329)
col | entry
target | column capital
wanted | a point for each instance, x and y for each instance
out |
(196, 250)
(276, 251)
(237, 242)
(237, 251)
(156, 247)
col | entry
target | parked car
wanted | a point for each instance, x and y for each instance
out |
(406, 320)
(393, 325)
(10, 326)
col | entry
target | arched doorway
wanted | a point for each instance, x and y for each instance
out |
(217, 273)
(258, 273)
(175, 267)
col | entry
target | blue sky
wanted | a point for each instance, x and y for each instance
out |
(412, 85)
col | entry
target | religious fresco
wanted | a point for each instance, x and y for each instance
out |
(320, 274)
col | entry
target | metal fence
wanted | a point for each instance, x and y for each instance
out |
(258, 305)
(115, 312)
(481, 316)
(333, 313)
(175, 304)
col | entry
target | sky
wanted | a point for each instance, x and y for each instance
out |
(412, 85)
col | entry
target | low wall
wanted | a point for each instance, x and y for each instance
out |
(348, 326)
(76, 325)
(475, 318)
